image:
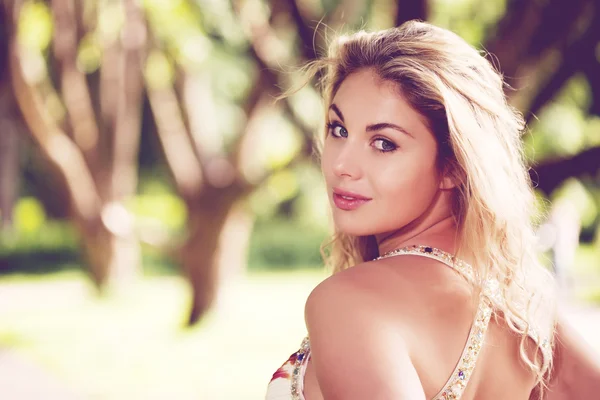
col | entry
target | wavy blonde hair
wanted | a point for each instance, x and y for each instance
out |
(461, 95)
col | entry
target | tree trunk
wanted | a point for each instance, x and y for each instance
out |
(235, 236)
(200, 254)
(9, 169)
(105, 226)
(9, 143)
(113, 259)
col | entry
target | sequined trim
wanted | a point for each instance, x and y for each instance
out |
(431, 252)
(302, 357)
(454, 388)
(456, 384)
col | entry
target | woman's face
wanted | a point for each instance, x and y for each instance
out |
(379, 158)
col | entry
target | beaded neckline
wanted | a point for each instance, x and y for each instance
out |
(431, 252)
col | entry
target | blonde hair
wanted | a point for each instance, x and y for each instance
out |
(461, 96)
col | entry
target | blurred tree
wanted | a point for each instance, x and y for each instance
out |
(9, 140)
(211, 70)
(539, 47)
(87, 126)
(9, 161)
(211, 176)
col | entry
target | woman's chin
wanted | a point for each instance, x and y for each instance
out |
(353, 229)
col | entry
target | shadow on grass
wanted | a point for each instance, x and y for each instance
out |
(48, 261)
(39, 262)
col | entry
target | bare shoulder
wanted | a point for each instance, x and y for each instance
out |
(391, 289)
(366, 324)
(359, 291)
(356, 353)
(346, 299)
(363, 322)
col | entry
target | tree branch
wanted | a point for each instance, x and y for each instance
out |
(273, 82)
(180, 157)
(59, 149)
(129, 102)
(590, 69)
(550, 174)
(268, 82)
(522, 35)
(564, 16)
(74, 88)
(305, 33)
(407, 10)
(108, 86)
(579, 55)
(255, 102)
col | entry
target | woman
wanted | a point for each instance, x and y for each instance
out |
(424, 169)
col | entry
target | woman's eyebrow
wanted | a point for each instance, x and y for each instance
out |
(386, 125)
(337, 111)
(372, 127)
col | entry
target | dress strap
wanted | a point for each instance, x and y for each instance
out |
(442, 256)
(456, 384)
(302, 357)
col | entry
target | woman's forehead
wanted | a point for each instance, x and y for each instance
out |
(365, 98)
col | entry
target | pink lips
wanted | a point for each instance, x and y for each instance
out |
(347, 200)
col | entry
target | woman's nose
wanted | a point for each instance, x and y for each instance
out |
(347, 162)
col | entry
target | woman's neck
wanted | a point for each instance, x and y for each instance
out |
(442, 234)
(436, 227)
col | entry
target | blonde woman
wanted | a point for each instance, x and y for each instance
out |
(437, 292)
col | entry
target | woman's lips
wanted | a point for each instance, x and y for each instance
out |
(347, 200)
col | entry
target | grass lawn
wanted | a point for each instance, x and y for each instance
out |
(133, 346)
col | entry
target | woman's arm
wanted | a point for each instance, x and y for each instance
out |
(576, 373)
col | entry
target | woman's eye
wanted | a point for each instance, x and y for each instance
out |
(337, 130)
(384, 145)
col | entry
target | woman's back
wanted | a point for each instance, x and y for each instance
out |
(434, 309)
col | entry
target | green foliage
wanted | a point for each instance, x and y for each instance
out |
(35, 25)
(31, 229)
(158, 70)
(563, 128)
(177, 25)
(89, 56)
(470, 19)
(280, 187)
(37, 245)
(583, 200)
(164, 210)
(29, 215)
(282, 244)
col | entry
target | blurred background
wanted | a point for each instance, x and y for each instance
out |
(161, 215)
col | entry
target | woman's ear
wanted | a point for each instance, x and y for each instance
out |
(449, 178)
(447, 183)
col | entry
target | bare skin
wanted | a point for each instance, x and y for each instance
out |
(395, 328)
(576, 367)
